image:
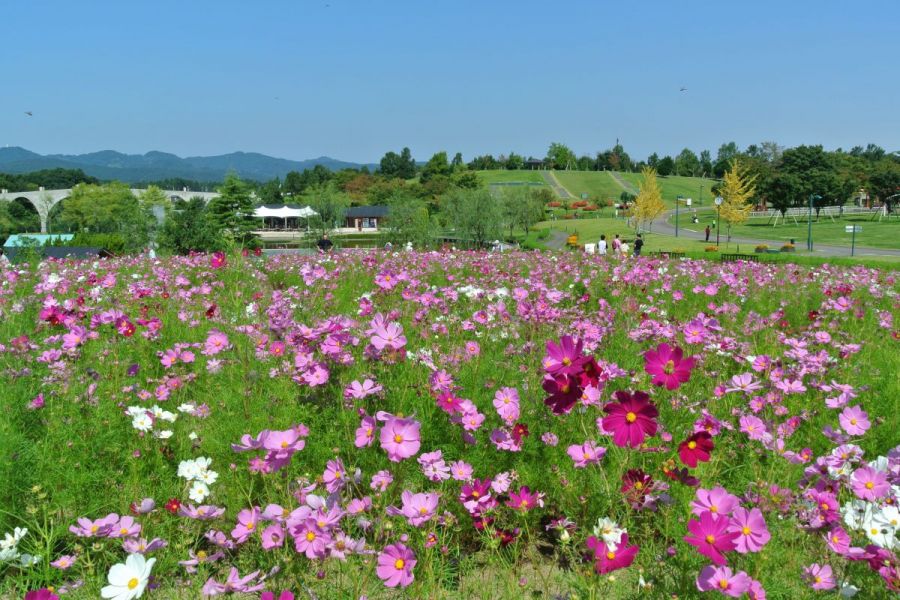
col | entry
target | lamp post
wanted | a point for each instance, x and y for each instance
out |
(677, 200)
(718, 201)
(809, 242)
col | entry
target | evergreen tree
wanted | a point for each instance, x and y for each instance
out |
(232, 212)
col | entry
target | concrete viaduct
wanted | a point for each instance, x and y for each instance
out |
(44, 200)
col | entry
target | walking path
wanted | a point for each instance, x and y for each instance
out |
(554, 183)
(557, 239)
(661, 225)
(625, 185)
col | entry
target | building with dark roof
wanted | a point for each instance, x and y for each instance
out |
(365, 217)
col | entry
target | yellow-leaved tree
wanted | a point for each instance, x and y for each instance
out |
(736, 190)
(649, 203)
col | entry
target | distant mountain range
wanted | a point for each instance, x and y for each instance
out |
(152, 166)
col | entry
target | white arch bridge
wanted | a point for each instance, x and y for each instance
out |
(43, 200)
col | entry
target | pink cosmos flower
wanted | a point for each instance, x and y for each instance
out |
(586, 454)
(272, 537)
(216, 342)
(311, 540)
(142, 546)
(819, 577)
(395, 566)
(335, 475)
(201, 513)
(523, 500)
(668, 366)
(506, 401)
(631, 419)
(126, 527)
(64, 562)
(696, 448)
(724, 581)
(381, 480)
(854, 420)
(400, 438)
(564, 358)
(362, 390)
(217, 260)
(284, 595)
(234, 583)
(434, 466)
(869, 484)
(711, 537)
(389, 336)
(41, 594)
(610, 558)
(743, 383)
(365, 433)
(461, 471)
(838, 540)
(418, 509)
(99, 528)
(751, 529)
(754, 427)
(717, 501)
(247, 521)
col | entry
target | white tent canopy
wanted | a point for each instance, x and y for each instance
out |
(284, 212)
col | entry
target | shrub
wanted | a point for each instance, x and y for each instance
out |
(712, 248)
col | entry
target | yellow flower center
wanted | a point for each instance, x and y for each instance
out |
(692, 444)
(250, 526)
(818, 579)
(567, 361)
(398, 438)
(506, 400)
(745, 530)
(284, 444)
(94, 528)
(869, 485)
(133, 583)
(824, 506)
(710, 539)
(310, 536)
(586, 456)
(610, 555)
(638, 485)
(631, 417)
(399, 564)
(873, 531)
(475, 494)
(853, 421)
(835, 539)
(713, 508)
(723, 583)
(669, 367)
(201, 555)
(124, 531)
(423, 511)
(565, 389)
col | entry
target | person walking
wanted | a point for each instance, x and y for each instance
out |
(707, 233)
(638, 244)
(616, 245)
(601, 246)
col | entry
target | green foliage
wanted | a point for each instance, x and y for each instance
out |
(409, 221)
(189, 227)
(687, 164)
(559, 156)
(401, 166)
(330, 205)
(665, 166)
(51, 179)
(110, 208)
(522, 208)
(232, 212)
(474, 215)
(437, 165)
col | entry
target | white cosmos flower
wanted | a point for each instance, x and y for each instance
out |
(127, 581)
(199, 492)
(142, 422)
(208, 477)
(187, 407)
(609, 531)
(887, 516)
(188, 469)
(163, 435)
(163, 415)
(855, 513)
(880, 535)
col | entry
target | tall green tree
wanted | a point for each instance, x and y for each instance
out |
(408, 221)
(560, 156)
(329, 204)
(189, 228)
(401, 166)
(437, 165)
(109, 208)
(474, 215)
(232, 212)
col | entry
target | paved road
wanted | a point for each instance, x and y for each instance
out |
(553, 182)
(661, 225)
(557, 239)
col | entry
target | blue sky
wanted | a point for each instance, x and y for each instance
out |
(352, 79)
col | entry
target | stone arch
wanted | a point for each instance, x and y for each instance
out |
(21, 207)
(52, 217)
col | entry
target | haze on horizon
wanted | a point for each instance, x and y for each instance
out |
(352, 80)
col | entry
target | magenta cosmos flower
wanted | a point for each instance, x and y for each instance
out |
(400, 438)
(564, 358)
(869, 484)
(854, 420)
(611, 558)
(751, 529)
(41, 594)
(417, 508)
(696, 448)
(723, 580)
(395, 565)
(711, 537)
(217, 260)
(668, 366)
(564, 392)
(631, 419)
(523, 500)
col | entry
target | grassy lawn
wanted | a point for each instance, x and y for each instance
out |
(599, 185)
(674, 186)
(874, 234)
(521, 176)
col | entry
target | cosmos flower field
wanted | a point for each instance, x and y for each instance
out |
(448, 425)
